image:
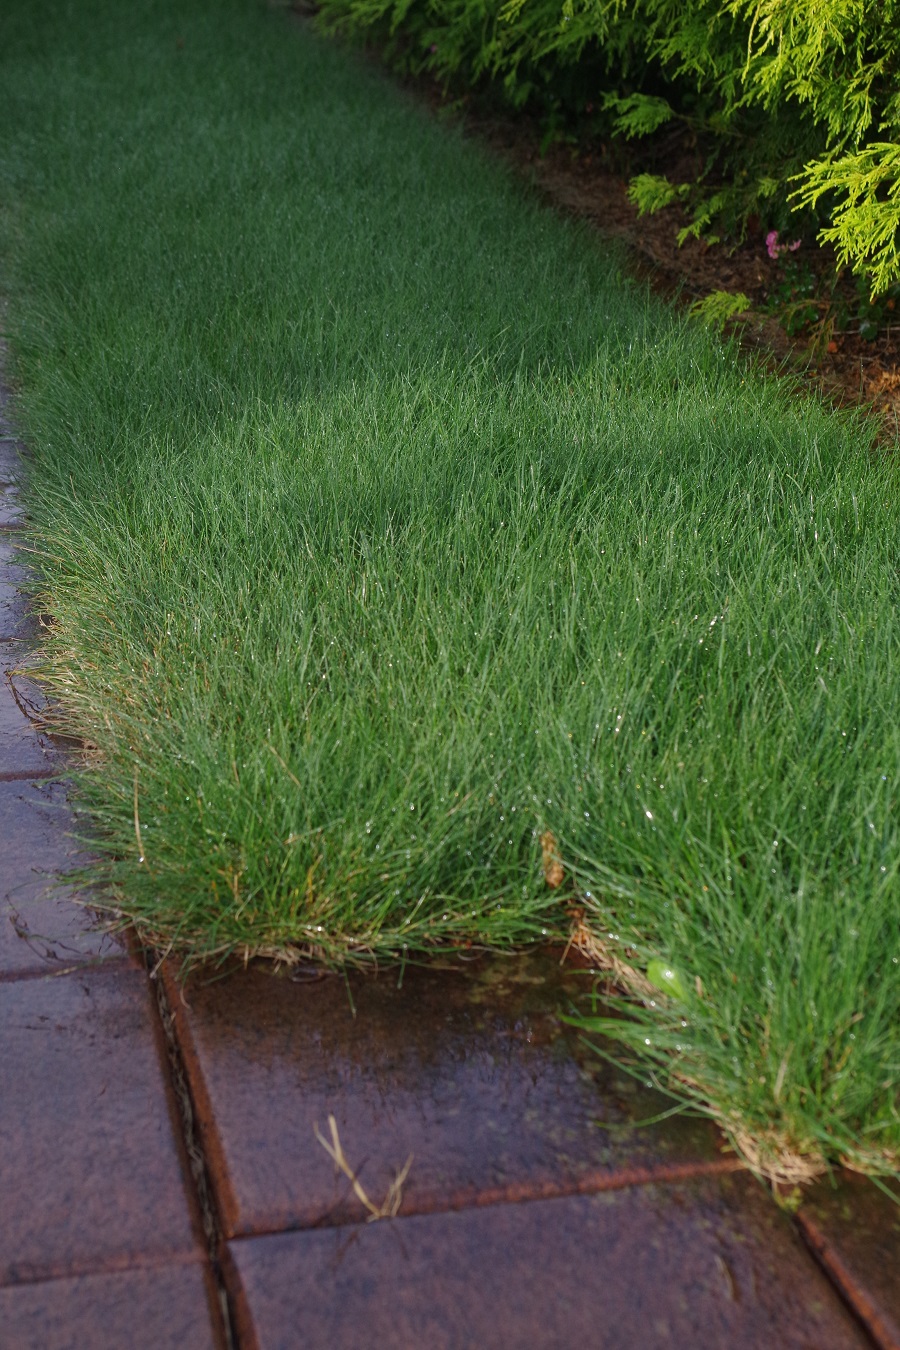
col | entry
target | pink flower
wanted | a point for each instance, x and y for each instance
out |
(773, 248)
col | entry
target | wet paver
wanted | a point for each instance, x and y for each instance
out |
(165, 1308)
(10, 449)
(854, 1229)
(42, 925)
(23, 750)
(708, 1263)
(92, 1171)
(12, 513)
(470, 1071)
(15, 622)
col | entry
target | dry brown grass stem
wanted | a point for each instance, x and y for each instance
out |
(554, 872)
(770, 1157)
(582, 940)
(391, 1204)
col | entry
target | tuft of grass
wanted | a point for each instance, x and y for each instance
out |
(389, 531)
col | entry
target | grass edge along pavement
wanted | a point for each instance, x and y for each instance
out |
(403, 556)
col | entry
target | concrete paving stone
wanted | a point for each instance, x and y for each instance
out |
(854, 1228)
(10, 455)
(165, 1308)
(12, 513)
(707, 1263)
(90, 1170)
(15, 660)
(15, 621)
(469, 1070)
(23, 750)
(42, 925)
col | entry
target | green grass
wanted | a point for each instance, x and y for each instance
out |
(386, 525)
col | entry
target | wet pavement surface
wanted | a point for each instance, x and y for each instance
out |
(86, 1111)
(44, 927)
(707, 1263)
(23, 751)
(854, 1229)
(469, 1070)
(163, 1185)
(15, 623)
(102, 1243)
(172, 1305)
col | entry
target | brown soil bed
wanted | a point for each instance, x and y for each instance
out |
(845, 367)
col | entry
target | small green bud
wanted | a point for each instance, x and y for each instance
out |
(665, 978)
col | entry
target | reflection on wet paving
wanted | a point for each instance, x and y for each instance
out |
(703, 1264)
(42, 924)
(11, 512)
(854, 1229)
(14, 619)
(467, 1068)
(164, 1306)
(91, 1169)
(23, 750)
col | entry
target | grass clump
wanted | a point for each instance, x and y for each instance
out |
(387, 530)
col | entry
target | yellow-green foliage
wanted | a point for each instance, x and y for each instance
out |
(797, 100)
(717, 308)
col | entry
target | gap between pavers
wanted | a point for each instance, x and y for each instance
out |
(707, 1264)
(853, 1229)
(468, 1074)
(93, 1177)
(44, 927)
(101, 1240)
(472, 1073)
(152, 1307)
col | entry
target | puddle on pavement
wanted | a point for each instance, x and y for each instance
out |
(469, 1069)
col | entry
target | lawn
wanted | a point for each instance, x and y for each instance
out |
(401, 552)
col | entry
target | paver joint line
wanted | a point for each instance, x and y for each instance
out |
(111, 965)
(15, 776)
(110, 1265)
(169, 1245)
(856, 1299)
(599, 1183)
(197, 1164)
